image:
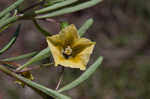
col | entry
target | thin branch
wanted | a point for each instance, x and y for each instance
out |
(43, 31)
(60, 78)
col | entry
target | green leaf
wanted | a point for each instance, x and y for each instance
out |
(4, 28)
(40, 56)
(20, 57)
(42, 89)
(70, 9)
(8, 21)
(12, 41)
(51, 2)
(10, 8)
(56, 6)
(85, 26)
(84, 76)
(5, 17)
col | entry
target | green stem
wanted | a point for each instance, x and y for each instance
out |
(63, 25)
(41, 55)
(44, 32)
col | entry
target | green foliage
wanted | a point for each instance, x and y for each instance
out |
(70, 9)
(10, 8)
(85, 26)
(55, 6)
(40, 56)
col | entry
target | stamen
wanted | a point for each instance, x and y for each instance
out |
(67, 52)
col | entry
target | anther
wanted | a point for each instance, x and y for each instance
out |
(67, 52)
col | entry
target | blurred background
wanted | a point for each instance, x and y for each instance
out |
(122, 31)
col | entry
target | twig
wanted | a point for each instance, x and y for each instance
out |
(60, 78)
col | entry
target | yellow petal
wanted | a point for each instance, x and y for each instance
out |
(66, 36)
(56, 52)
(80, 45)
(79, 61)
(84, 56)
(55, 40)
(69, 35)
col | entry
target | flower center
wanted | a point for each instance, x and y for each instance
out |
(67, 52)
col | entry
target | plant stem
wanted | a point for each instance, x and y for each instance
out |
(44, 32)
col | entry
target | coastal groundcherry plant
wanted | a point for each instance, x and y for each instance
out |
(68, 48)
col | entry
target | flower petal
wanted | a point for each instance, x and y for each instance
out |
(56, 52)
(79, 61)
(55, 40)
(80, 45)
(69, 35)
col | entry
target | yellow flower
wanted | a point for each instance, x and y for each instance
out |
(69, 50)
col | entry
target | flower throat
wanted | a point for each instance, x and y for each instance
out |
(67, 52)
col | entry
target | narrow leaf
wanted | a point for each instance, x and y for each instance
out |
(40, 56)
(8, 21)
(12, 41)
(5, 17)
(55, 6)
(70, 9)
(10, 8)
(20, 57)
(85, 26)
(34, 85)
(84, 76)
